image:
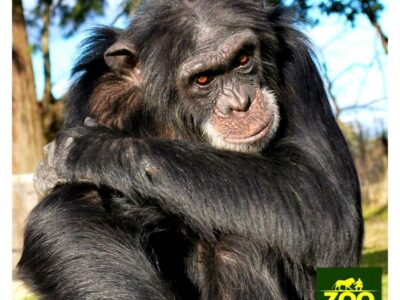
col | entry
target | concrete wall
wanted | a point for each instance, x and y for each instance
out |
(24, 199)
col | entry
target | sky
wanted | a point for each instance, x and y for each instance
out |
(337, 43)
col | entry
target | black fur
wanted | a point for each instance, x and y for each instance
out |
(178, 219)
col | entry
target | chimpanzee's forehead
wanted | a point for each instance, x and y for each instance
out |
(167, 33)
(205, 21)
(205, 15)
(224, 43)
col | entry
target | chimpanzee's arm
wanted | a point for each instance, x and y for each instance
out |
(281, 199)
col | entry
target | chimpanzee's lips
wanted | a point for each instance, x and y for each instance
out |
(256, 136)
(248, 128)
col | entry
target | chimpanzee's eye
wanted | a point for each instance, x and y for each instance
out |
(243, 59)
(202, 80)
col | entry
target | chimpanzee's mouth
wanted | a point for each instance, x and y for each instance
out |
(247, 132)
(259, 134)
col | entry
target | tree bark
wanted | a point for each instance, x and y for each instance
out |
(52, 119)
(28, 137)
(52, 111)
(47, 95)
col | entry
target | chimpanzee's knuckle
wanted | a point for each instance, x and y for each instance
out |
(46, 148)
(69, 141)
(90, 122)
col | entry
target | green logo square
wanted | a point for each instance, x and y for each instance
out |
(349, 284)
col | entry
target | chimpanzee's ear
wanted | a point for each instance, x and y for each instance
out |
(121, 57)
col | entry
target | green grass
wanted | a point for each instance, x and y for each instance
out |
(375, 259)
(380, 212)
(375, 250)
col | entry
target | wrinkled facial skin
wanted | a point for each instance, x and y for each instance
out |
(225, 79)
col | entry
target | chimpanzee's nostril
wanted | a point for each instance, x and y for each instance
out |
(247, 104)
(242, 105)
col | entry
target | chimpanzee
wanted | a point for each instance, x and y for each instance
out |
(210, 167)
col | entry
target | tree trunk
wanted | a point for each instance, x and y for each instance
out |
(52, 119)
(52, 111)
(47, 95)
(28, 138)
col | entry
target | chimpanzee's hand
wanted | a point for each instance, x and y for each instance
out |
(45, 177)
(71, 157)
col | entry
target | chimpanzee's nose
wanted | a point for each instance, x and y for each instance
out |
(235, 102)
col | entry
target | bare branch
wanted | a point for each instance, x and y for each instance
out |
(384, 39)
(120, 15)
(367, 105)
(349, 68)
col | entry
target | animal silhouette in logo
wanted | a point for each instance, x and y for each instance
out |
(339, 284)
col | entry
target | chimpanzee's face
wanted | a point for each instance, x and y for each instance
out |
(224, 77)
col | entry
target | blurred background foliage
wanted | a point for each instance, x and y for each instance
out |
(36, 119)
